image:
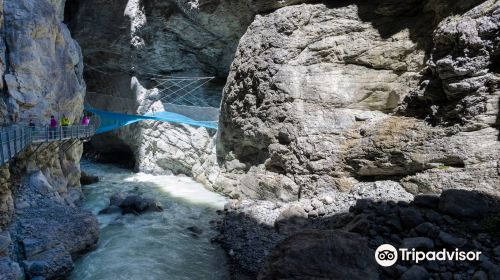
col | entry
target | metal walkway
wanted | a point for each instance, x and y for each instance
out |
(17, 138)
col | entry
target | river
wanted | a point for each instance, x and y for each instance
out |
(153, 245)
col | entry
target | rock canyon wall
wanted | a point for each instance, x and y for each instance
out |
(42, 75)
(323, 102)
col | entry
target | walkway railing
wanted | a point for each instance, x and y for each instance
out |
(15, 139)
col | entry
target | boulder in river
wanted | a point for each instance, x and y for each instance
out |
(134, 204)
(86, 179)
(195, 230)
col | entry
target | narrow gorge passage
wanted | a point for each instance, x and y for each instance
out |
(156, 245)
(335, 135)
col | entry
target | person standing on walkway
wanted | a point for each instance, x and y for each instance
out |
(85, 120)
(52, 127)
(65, 124)
(32, 127)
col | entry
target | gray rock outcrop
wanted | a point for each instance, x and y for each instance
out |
(42, 75)
(321, 97)
(311, 250)
(50, 231)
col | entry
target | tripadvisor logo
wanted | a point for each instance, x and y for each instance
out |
(387, 255)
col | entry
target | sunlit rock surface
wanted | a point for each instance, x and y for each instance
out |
(317, 96)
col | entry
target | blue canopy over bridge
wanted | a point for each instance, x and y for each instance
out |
(173, 100)
(109, 121)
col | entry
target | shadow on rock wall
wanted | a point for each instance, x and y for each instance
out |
(342, 246)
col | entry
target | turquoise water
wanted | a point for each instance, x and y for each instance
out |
(154, 245)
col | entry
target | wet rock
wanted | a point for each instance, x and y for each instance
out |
(496, 251)
(136, 204)
(86, 179)
(112, 209)
(463, 204)
(427, 229)
(50, 231)
(195, 230)
(415, 272)
(360, 225)
(5, 241)
(303, 256)
(480, 275)
(394, 223)
(9, 269)
(494, 273)
(117, 199)
(52, 263)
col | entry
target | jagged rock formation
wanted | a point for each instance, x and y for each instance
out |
(313, 91)
(325, 103)
(323, 99)
(49, 231)
(42, 75)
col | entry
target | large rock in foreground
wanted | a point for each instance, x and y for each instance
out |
(51, 233)
(321, 96)
(328, 254)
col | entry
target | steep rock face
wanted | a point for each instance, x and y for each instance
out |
(42, 75)
(313, 91)
(154, 38)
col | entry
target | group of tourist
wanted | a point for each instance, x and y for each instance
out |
(64, 123)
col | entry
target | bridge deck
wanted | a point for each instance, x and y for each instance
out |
(16, 138)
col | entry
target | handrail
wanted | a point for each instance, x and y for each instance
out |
(16, 138)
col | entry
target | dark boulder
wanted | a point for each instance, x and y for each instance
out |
(117, 199)
(463, 204)
(321, 254)
(426, 201)
(86, 179)
(195, 230)
(134, 204)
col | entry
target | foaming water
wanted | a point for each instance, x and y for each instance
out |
(153, 245)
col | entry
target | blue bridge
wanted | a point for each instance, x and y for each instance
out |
(175, 101)
(178, 106)
(108, 121)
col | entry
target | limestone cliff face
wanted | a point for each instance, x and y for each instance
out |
(320, 97)
(42, 75)
(42, 67)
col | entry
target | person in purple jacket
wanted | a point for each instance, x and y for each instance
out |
(52, 127)
(85, 120)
